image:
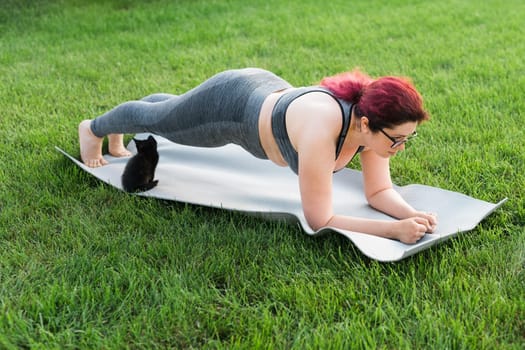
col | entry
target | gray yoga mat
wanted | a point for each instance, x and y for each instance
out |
(230, 178)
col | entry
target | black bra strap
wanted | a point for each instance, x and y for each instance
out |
(347, 114)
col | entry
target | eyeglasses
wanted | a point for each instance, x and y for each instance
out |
(398, 142)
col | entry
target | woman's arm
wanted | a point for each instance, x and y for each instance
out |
(379, 190)
(315, 184)
(380, 193)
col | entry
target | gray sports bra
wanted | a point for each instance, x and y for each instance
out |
(279, 124)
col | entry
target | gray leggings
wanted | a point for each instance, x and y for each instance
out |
(223, 109)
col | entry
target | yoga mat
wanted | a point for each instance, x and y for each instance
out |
(230, 178)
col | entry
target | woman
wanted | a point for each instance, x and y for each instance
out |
(313, 130)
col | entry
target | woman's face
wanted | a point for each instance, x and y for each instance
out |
(388, 141)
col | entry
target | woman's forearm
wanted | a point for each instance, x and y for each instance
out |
(382, 228)
(390, 202)
(407, 230)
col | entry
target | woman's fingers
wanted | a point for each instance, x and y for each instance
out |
(429, 220)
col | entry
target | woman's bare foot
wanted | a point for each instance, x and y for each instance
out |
(116, 146)
(90, 146)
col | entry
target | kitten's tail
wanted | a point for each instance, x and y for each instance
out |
(148, 186)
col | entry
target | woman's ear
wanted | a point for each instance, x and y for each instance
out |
(363, 124)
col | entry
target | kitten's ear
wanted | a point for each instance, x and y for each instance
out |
(151, 138)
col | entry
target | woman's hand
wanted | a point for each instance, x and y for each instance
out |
(413, 229)
(431, 219)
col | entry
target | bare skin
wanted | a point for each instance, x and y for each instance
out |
(116, 146)
(91, 146)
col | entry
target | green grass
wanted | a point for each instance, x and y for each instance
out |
(83, 265)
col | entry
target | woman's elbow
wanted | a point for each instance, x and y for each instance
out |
(316, 222)
(374, 198)
(371, 201)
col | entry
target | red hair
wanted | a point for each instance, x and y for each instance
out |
(386, 101)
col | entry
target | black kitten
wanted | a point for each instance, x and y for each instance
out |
(139, 172)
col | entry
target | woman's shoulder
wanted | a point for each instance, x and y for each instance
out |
(320, 105)
(316, 111)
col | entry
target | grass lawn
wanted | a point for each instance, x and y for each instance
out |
(83, 265)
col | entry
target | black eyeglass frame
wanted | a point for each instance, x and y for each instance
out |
(397, 143)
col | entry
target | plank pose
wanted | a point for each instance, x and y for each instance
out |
(313, 130)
